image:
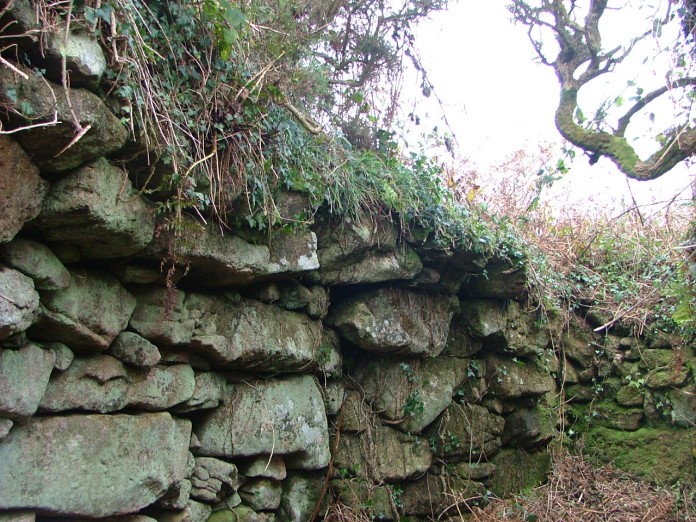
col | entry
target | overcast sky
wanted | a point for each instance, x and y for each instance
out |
(498, 100)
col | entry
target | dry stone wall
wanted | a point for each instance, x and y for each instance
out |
(261, 381)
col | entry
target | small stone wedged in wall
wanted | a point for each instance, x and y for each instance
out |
(395, 320)
(269, 467)
(213, 479)
(499, 280)
(22, 190)
(97, 466)
(193, 512)
(241, 514)
(96, 208)
(19, 304)
(87, 315)
(50, 146)
(135, 350)
(518, 470)
(261, 494)
(435, 495)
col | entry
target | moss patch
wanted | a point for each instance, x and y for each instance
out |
(657, 455)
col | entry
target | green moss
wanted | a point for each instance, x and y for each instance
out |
(517, 470)
(658, 455)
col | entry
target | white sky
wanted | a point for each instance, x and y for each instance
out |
(498, 100)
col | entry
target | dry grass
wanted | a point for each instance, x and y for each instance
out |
(577, 492)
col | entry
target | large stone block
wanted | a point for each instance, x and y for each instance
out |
(19, 302)
(512, 379)
(411, 393)
(215, 260)
(92, 465)
(87, 315)
(363, 251)
(382, 454)
(31, 100)
(395, 320)
(22, 190)
(506, 327)
(466, 431)
(237, 333)
(24, 376)
(96, 208)
(279, 417)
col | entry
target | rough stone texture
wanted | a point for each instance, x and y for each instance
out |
(160, 316)
(64, 355)
(210, 389)
(364, 497)
(36, 261)
(19, 302)
(253, 335)
(434, 494)
(22, 190)
(356, 414)
(104, 384)
(177, 496)
(372, 267)
(213, 479)
(281, 417)
(139, 458)
(243, 334)
(130, 348)
(193, 512)
(300, 496)
(529, 427)
(505, 327)
(215, 261)
(87, 315)
(273, 467)
(261, 494)
(501, 280)
(96, 208)
(24, 376)
(412, 392)
(683, 407)
(510, 379)
(581, 345)
(395, 320)
(84, 59)
(466, 431)
(517, 470)
(382, 453)
(460, 343)
(334, 395)
(44, 144)
(5, 427)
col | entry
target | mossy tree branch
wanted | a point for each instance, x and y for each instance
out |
(580, 59)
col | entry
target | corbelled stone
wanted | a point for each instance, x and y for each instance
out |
(395, 320)
(96, 208)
